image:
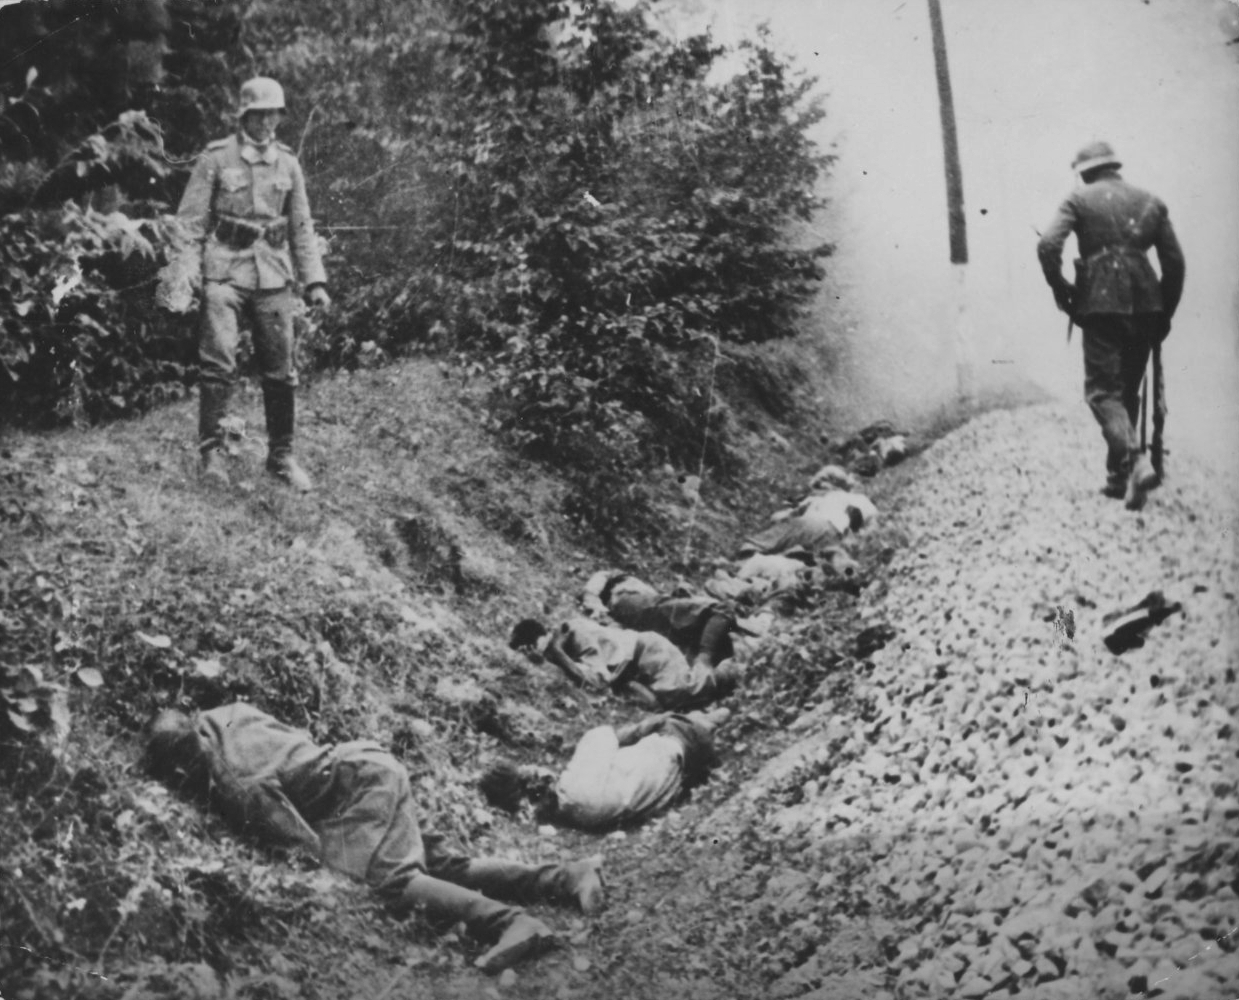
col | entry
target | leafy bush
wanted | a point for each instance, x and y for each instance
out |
(85, 184)
(616, 218)
(573, 203)
(80, 336)
(563, 196)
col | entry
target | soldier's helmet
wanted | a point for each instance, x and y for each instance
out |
(1094, 155)
(260, 94)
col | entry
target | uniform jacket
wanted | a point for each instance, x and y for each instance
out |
(1115, 224)
(608, 656)
(350, 804)
(235, 180)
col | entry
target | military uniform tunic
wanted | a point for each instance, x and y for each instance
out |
(247, 209)
(233, 179)
(608, 657)
(350, 804)
(1120, 303)
(1115, 224)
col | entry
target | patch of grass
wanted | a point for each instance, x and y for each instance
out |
(377, 607)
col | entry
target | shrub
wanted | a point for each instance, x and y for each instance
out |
(85, 182)
(80, 336)
(561, 195)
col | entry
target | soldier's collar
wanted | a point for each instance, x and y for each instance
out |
(250, 152)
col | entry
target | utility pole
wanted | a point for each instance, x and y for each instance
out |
(956, 222)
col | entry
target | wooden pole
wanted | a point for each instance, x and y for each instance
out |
(950, 140)
(956, 222)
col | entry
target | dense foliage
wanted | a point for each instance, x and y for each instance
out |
(87, 174)
(559, 193)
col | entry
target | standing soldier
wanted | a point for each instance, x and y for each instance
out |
(246, 206)
(1120, 304)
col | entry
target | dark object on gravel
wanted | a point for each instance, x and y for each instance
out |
(1127, 629)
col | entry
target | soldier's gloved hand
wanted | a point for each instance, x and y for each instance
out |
(317, 296)
(1063, 297)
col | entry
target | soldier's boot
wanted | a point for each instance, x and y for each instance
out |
(1118, 468)
(1116, 486)
(279, 404)
(578, 882)
(512, 933)
(715, 644)
(727, 675)
(213, 399)
(1141, 479)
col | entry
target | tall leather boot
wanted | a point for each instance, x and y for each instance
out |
(715, 644)
(578, 882)
(1117, 470)
(514, 933)
(728, 675)
(279, 404)
(213, 400)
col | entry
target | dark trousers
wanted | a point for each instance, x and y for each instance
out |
(360, 804)
(715, 644)
(270, 315)
(1116, 353)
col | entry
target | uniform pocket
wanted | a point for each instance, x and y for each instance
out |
(275, 192)
(233, 179)
(235, 196)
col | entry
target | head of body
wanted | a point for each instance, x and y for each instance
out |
(261, 110)
(700, 757)
(174, 753)
(529, 636)
(506, 786)
(625, 585)
(1096, 160)
(839, 570)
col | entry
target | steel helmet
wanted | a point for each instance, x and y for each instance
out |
(1094, 155)
(261, 94)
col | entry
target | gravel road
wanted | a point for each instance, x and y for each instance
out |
(1049, 819)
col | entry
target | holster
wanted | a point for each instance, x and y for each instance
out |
(1081, 276)
(241, 234)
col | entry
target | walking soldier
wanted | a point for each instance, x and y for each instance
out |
(246, 206)
(1119, 302)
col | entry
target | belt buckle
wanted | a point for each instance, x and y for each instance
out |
(276, 234)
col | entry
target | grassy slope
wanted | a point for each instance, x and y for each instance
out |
(376, 607)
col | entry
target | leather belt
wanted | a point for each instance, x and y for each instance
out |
(241, 234)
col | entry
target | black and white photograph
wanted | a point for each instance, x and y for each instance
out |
(619, 499)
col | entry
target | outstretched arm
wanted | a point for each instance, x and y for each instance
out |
(554, 652)
(637, 731)
(642, 694)
(263, 809)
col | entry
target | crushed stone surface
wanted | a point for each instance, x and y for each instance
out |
(1040, 817)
